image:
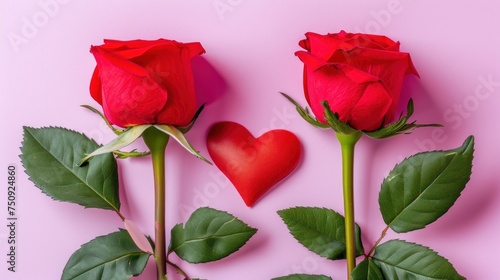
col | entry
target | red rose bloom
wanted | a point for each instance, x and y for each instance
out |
(359, 75)
(145, 82)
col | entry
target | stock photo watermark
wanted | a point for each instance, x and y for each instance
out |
(281, 119)
(457, 113)
(11, 221)
(308, 265)
(202, 196)
(381, 18)
(31, 25)
(222, 7)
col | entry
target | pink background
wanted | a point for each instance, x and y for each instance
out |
(250, 58)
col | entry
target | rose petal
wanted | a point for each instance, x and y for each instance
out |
(360, 75)
(312, 62)
(96, 86)
(325, 46)
(130, 96)
(390, 67)
(357, 75)
(171, 66)
(374, 41)
(110, 44)
(344, 88)
(139, 49)
(117, 61)
(136, 48)
(369, 113)
(304, 43)
(331, 84)
(194, 48)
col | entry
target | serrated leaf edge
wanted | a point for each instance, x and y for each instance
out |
(357, 227)
(466, 145)
(250, 229)
(435, 253)
(114, 260)
(25, 128)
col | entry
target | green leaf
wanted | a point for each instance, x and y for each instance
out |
(114, 257)
(423, 187)
(401, 126)
(50, 156)
(304, 113)
(303, 277)
(320, 230)
(367, 270)
(209, 235)
(398, 259)
(179, 137)
(124, 139)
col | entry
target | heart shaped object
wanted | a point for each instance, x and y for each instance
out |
(253, 165)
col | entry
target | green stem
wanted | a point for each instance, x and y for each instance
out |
(347, 143)
(177, 268)
(120, 215)
(157, 142)
(382, 235)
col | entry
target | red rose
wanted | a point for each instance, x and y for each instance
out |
(145, 82)
(359, 75)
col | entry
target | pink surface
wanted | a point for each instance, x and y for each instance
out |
(46, 69)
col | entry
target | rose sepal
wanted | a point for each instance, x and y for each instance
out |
(179, 137)
(132, 133)
(119, 154)
(132, 154)
(110, 126)
(334, 122)
(129, 135)
(304, 113)
(401, 126)
(187, 128)
(123, 140)
(330, 117)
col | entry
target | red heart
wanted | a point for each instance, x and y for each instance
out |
(253, 165)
